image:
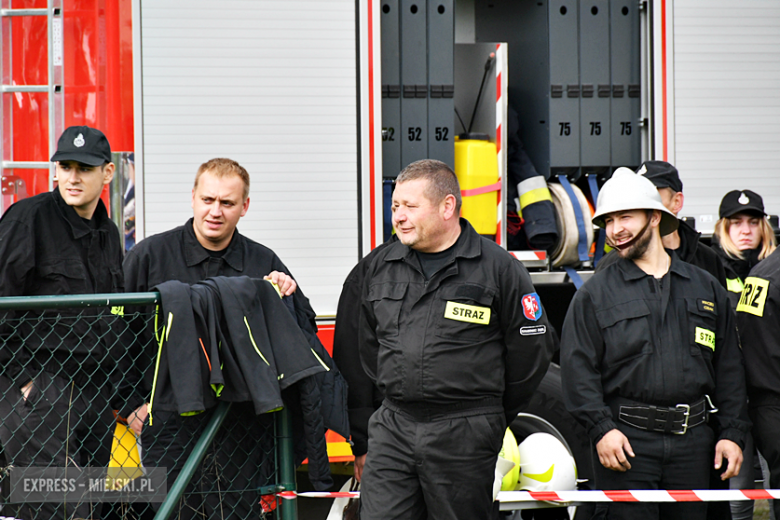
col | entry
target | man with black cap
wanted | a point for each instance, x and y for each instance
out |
(52, 412)
(650, 361)
(685, 240)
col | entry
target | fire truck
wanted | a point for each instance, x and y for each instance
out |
(324, 101)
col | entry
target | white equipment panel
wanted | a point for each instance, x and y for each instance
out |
(725, 105)
(271, 84)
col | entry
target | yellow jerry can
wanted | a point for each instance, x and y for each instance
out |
(476, 166)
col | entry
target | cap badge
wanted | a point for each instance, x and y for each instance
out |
(78, 142)
(642, 170)
(743, 199)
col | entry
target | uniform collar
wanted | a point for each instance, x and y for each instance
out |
(689, 241)
(194, 253)
(77, 225)
(467, 246)
(631, 271)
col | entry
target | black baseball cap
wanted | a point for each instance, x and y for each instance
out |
(83, 144)
(741, 201)
(662, 174)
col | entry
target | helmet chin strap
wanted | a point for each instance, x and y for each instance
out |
(633, 240)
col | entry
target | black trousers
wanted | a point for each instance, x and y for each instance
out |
(61, 423)
(239, 461)
(663, 461)
(439, 469)
(766, 424)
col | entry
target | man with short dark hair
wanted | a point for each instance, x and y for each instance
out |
(455, 337)
(54, 411)
(649, 354)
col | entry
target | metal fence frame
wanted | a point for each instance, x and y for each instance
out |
(285, 458)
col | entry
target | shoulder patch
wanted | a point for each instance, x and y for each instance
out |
(753, 296)
(532, 307)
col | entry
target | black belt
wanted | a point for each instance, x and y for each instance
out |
(667, 419)
(426, 412)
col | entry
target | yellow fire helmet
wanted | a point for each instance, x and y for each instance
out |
(546, 465)
(510, 452)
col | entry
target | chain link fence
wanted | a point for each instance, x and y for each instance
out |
(74, 368)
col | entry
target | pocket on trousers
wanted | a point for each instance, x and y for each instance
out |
(490, 428)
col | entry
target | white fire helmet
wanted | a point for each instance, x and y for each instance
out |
(546, 465)
(626, 191)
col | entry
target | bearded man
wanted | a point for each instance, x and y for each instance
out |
(649, 354)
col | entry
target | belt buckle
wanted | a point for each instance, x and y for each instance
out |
(686, 409)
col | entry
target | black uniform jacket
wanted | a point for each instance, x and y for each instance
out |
(249, 348)
(475, 332)
(758, 317)
(364, 396)
(177, 255)
(691, 250)
(620, 339)
(46, 248)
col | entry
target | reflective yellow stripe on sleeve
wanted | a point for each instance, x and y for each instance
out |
(533, 190)
(532, 197)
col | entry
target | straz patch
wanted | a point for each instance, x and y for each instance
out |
(533, 330)
(705, 337)
(753, 296)
(468, 313)
(532, 308)
(705, 305)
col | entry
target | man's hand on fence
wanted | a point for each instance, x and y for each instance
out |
(286, 284)
(731, 451)
(136, 419)
(612, 449)
(26, 389)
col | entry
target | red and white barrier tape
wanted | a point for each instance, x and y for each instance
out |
(648, 495)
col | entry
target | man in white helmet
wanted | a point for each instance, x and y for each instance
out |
(649, 354)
